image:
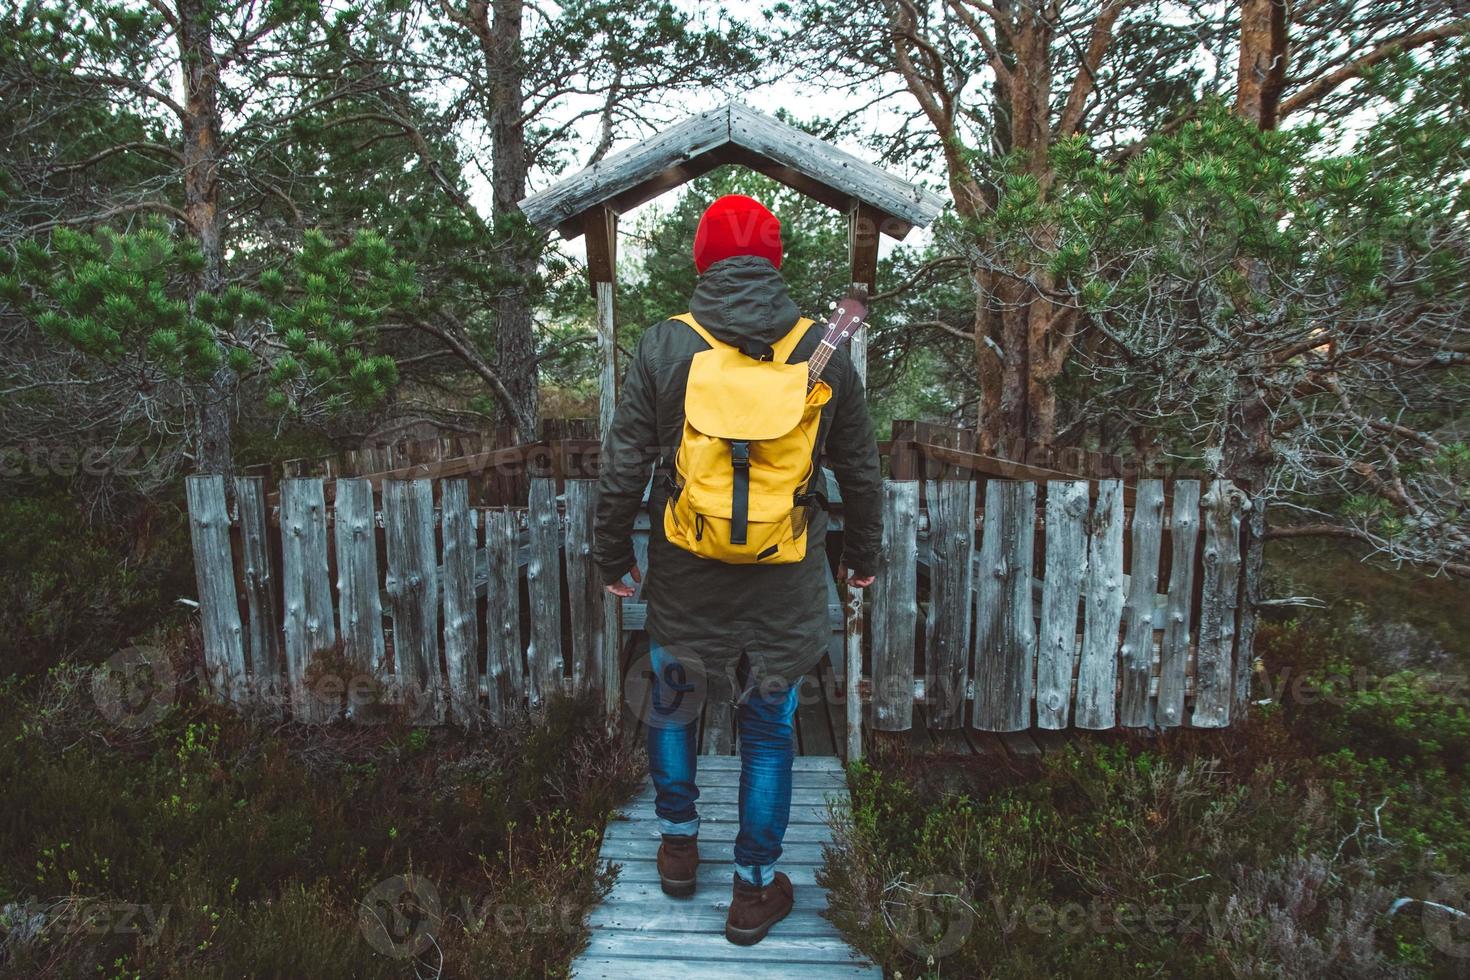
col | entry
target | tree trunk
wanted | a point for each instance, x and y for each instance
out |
(201, 127)
(1245, 451)
(514, 336)
(1017, 399)
(1262, 69)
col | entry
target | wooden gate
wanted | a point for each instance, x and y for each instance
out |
(1010, 596)
(344, 598)
(1056, 604)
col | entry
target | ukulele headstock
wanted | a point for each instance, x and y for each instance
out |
(847, 316)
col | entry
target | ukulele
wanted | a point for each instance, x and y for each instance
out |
(847, 316)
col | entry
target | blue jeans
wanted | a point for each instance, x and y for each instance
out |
(767, 746)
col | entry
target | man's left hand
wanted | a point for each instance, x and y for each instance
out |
(622, 589)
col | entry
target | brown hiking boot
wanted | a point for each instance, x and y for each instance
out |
(754, 910)
(678, 858)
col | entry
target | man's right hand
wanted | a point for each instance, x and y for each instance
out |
(622, 589)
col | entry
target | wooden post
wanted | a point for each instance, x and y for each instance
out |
(1214, 680)
(543, 585)
(600, 232)
(1174, 651)
(584, 590)
(309, 620)
(461, 632)
(600, 229)
(852, 681)
(1253, 533)
(852, 625)
(1136, 709)
(895, 609)
(951, 579)
(412, 584)
(862, 246)
(1097, 668)
(863, 224)
(1066, 559)
(504, 672)
(214, 572)
(1005, 635)
(360, 602)
(263, 653)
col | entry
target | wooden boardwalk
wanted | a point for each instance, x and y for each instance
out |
(639, 932)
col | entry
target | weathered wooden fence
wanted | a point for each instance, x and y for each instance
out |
(1044, 605)
(1010, 596)
(349, 602)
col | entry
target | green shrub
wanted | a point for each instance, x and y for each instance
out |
(263, 842)
(1276, 849)
(74, 590)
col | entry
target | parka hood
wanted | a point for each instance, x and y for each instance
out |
(744, 301)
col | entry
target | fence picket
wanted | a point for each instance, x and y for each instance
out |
(543, 582)
(895, 609)
(359, 600)
(1005, 650)
(951, 576)
(1174, 651)
(412, 584)
(584, 589)
(258, 580)
(504, 672)
(310, 626)
(461, 632)
(214, 572)
(1136, 709)
(1066, 560)
(1097, 670)
(1214, 677)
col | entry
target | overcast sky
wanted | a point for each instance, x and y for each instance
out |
(807, 102)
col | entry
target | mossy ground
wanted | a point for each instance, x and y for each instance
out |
(1281, 848)
(211, 845)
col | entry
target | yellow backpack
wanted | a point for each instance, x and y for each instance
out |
(744, 467)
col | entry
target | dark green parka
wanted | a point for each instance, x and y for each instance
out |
(774, 614)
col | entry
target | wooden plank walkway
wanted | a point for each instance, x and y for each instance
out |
(639, 932)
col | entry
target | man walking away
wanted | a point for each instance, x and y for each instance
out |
(719, 408)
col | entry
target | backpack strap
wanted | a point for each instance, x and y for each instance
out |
(786, 346)
(709, 338)
(781, 351)
(740, 490)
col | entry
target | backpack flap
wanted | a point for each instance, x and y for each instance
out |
(731, 396)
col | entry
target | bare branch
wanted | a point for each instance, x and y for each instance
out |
(1354, 69)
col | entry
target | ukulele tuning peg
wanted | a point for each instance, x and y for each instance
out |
(832, 305)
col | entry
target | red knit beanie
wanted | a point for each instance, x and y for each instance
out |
(736, 225)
